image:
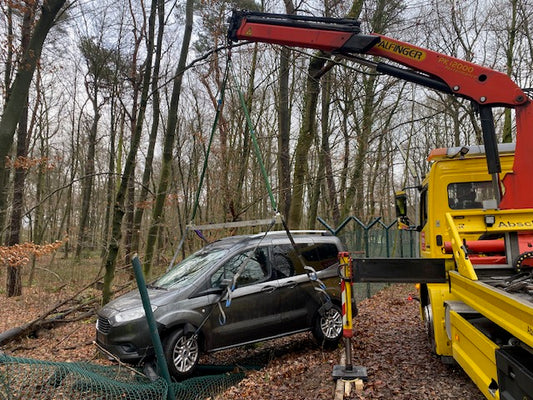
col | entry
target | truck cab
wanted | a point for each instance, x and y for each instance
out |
(457, 181)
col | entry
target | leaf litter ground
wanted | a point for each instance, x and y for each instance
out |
(389, 340)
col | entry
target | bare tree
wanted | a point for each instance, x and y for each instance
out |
(15, 106)
(170, 134)
(148, 165)
(100, 75)
(118, 210)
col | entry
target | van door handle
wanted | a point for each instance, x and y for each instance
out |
(268, 289)
(291, 284)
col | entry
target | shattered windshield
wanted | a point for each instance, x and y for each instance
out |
(191, 268)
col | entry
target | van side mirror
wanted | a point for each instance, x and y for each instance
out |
(221, 288)
(225, 283)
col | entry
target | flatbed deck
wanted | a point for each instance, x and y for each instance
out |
(512, 311)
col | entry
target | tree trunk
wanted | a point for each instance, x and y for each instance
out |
(244, 159)
(128, 237)
(355, 193)
(284, 118)
(509, 53)
(118, 208)
(7, 85)
(110, 185)
(139, 212)
(19, 90)
(87, 182)
(323, 154)
(38, 228)
(168, 145)
(14, 281)
(305, 140)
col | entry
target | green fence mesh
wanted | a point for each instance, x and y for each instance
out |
(22, 378)
(373, 238)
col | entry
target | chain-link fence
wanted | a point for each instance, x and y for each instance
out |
(375, 238)
(23, 378)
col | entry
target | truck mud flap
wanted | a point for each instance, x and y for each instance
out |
(515, 373)
(400, 270)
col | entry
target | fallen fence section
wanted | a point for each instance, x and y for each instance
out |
(22, 378)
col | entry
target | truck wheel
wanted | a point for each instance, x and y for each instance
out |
(327, 328)
(430, 330)
(181, 353)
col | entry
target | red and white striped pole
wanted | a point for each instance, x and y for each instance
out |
(346, 288)
(347, 371)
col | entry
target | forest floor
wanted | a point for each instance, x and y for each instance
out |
(389, 340)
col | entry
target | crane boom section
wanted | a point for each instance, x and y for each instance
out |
(483, 85)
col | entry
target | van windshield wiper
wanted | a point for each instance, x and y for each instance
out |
(150, 286)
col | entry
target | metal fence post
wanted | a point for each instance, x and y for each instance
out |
(156, 340)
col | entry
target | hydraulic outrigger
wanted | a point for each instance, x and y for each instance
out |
(471, 255)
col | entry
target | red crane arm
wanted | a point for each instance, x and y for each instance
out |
(484, 86)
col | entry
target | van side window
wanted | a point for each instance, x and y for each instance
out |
(285, 260)
(320, 255)
(328, 254)
(256, 269)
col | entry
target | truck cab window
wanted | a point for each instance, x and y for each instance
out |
(469, 195)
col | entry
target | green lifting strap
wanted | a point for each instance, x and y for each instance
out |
(204, 168)
(310, 270)
(256, 146)
(213, 128)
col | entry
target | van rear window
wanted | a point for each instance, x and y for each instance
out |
(317, 255)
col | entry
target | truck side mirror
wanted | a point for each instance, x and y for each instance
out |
(400, 200)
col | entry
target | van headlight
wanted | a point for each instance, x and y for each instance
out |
(131, 314)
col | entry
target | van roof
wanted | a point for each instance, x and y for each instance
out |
(293, 232)
(238, 239)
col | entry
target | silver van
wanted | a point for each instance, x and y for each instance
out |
(234, 291)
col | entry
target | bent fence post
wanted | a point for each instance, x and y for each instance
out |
(156, 340)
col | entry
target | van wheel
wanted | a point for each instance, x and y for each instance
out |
(327, 329)
(181, 353)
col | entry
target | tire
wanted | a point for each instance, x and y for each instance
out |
(430, 329)
(328, 327)
(182, 352)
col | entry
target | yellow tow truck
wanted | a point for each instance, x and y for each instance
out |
(482, 316)
(476, 208)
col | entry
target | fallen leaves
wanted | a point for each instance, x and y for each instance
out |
(389, 340)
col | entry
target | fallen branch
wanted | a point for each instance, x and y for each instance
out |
(44, 321)
(117, 360)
